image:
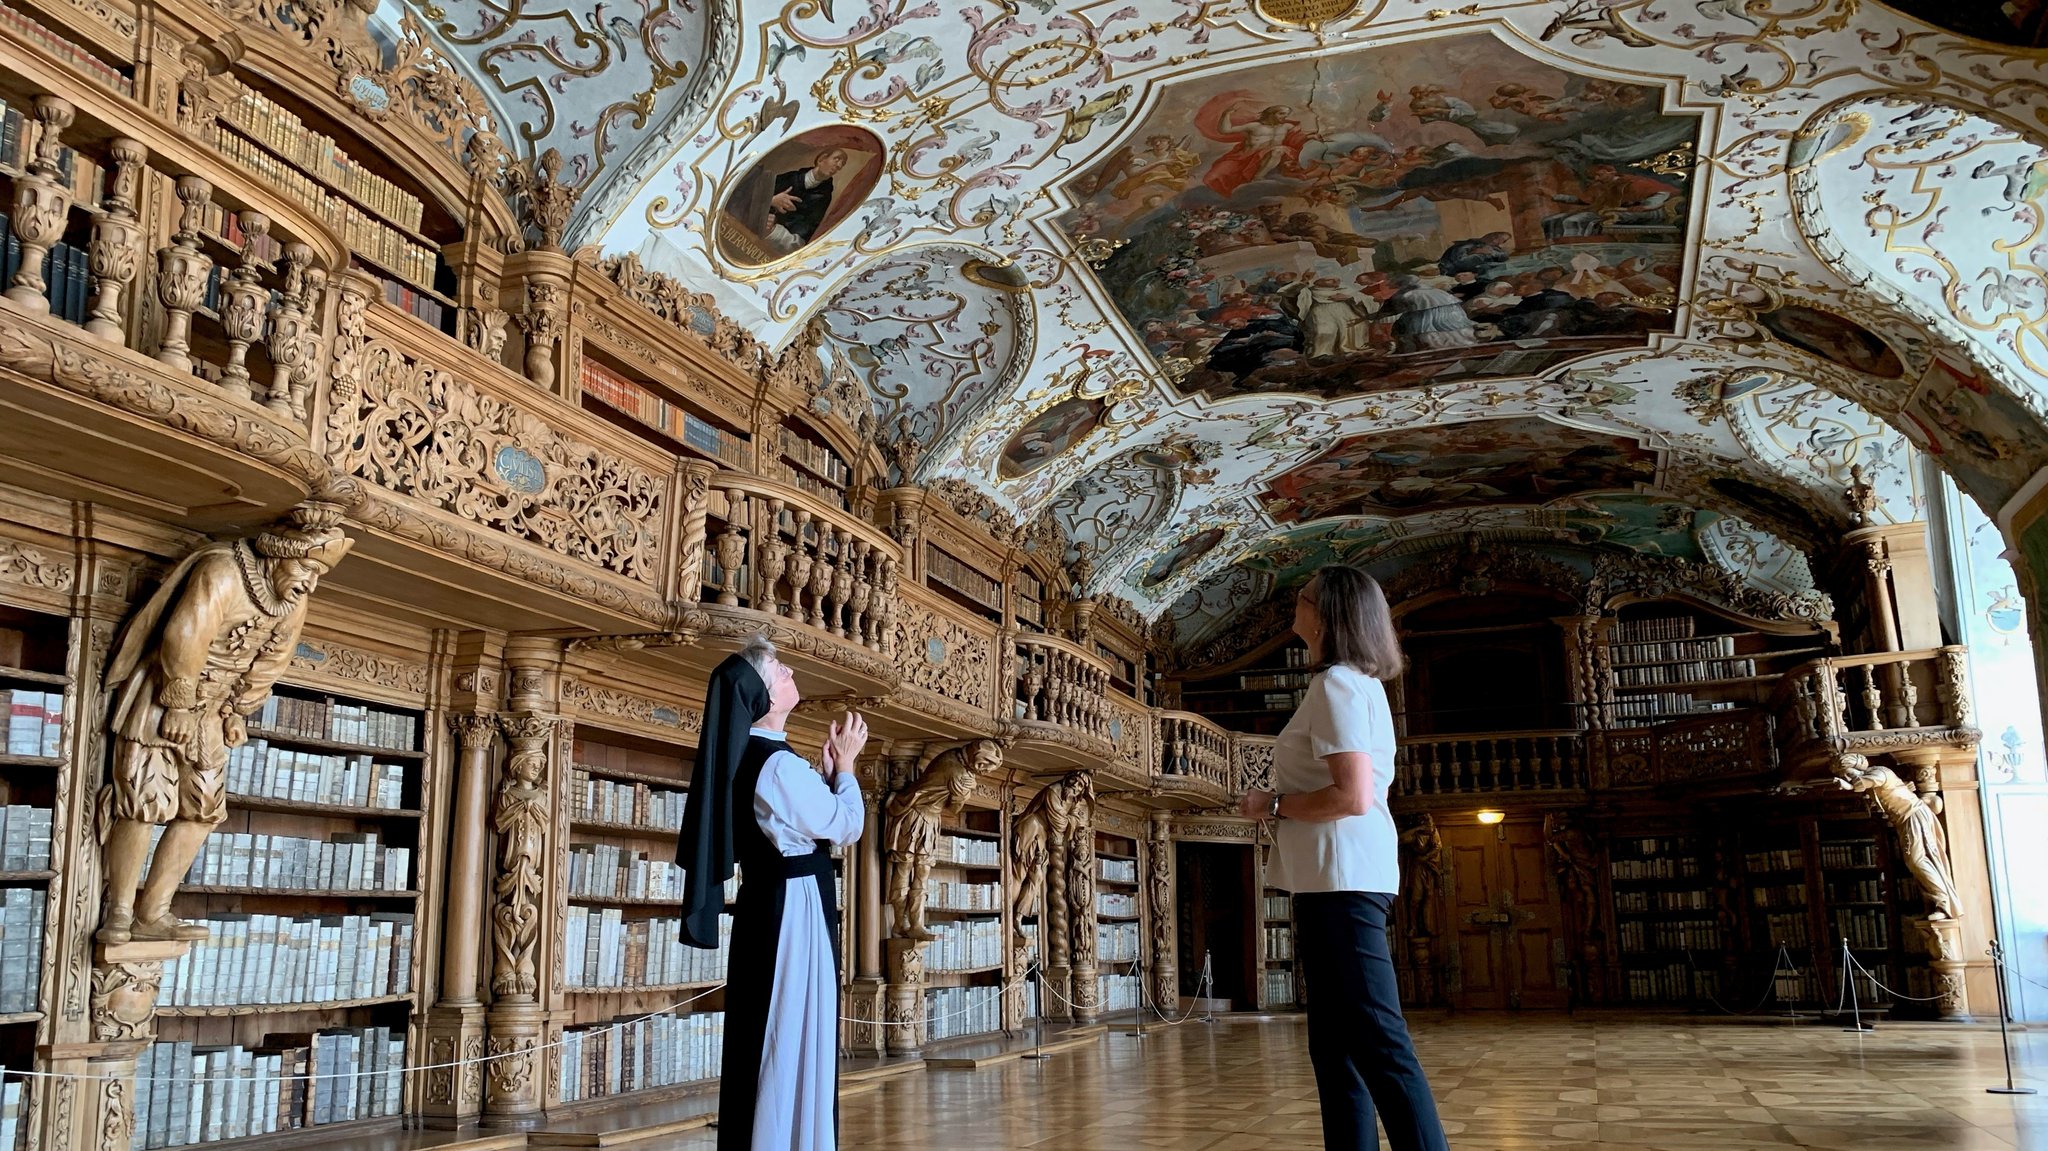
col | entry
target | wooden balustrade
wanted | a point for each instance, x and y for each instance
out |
(783, 553)
(1193, 747)
(1841, 702)
(1505, 761)
(1059, 683)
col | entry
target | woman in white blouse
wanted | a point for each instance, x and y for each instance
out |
(1335, 848)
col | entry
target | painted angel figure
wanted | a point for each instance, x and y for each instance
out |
(1263, 143)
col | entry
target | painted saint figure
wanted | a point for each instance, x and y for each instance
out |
(755, 802)
(1262, 144)
(800, 200)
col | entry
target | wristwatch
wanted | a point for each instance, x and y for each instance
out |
(1274, 811)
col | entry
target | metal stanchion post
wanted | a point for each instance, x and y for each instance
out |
(2004, 1037)
(1038, 1031)
(1849, 976)
(1138, 966)
(1786, 966)
(1207, 988)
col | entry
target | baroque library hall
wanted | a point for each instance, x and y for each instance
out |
(1176, 573)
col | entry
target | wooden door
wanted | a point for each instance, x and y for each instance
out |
(1505, 916)
(1217, 890)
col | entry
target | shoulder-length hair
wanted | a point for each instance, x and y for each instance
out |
(1358, 627)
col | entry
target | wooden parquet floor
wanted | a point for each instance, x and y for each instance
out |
(1524, 1082)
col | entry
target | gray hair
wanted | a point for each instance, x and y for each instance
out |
(759, 651)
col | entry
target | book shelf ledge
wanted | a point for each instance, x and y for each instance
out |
(31, 761)
(22, 1017)
(308, 892)
(1100, 918)
(26, 876)
(968, 833)
(310, 743)
(669, 782)
(24, 675)
(221, 1011)
(965, 912)
(301, 807)
(675, 901)
(1667, 686)
(636, 830)
(963, 970)
(1101, 882)
(636, 989)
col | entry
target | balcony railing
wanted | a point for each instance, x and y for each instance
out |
(1722, 745)
(1506, 761)
(1061, 684)
(1882, 701)
(781, 552)
(1193, 748)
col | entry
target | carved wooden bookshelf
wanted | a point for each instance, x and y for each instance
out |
(1119, 929)
(622, 955)
(1666, 660)
(1258, 697)
(967, 907)
(1279, 981)
(36, 712)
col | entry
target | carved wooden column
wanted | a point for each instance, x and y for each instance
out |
(455, 1025)
(523, 820)
(544, 271)
(866, 998)
(904, 958)
(1159, 869)
(693, 481)
(1054, 932)
(1081, 902)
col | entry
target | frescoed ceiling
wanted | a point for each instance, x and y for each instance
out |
(1768, 252)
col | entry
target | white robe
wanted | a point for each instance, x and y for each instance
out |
(795, 809)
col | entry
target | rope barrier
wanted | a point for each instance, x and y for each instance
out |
(1782, 965)
(1888, 991)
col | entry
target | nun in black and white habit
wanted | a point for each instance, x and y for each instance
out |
(756, 803)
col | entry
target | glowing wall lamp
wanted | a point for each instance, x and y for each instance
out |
(1489, 818)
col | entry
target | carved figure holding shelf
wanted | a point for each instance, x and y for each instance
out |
(197, 660)
(1922, 843)
(913, 832)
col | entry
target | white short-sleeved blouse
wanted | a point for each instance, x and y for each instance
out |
(1344, 710)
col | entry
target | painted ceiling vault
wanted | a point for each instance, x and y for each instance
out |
(1226, 293)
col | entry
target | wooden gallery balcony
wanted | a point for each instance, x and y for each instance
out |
(1910, 705)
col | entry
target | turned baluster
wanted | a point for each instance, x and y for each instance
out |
(1873, 699)
(242, 300)
(1034, 681)
(799, 567)
(1837, 710)
(116, 241)
(773, 558)
(1908, 708)
(290, 330)
(841, 618)
(181, 274)
(821, 576)
(42, 204)
(302, 372)
(730, 548)
(885, 606)
(862, 624)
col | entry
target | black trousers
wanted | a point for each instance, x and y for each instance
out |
(1357, 1039)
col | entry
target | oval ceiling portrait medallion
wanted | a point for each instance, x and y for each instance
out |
(796, 193)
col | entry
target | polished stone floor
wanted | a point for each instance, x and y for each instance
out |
(1525, 1082)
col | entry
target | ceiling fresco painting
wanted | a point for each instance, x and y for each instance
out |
(1447, 211)
(1685, 236)
(1482, 463)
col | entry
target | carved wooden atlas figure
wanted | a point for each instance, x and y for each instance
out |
(1922, 843)
(914, 814)
(756, 803)
(192, 665)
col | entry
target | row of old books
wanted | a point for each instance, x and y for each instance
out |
(21, 948)
(1279, 942)
(636, 399)
(1279, 906)
(1117, 992)
(81, 176)
(24, 838)
(1667, 627)
(268, 123)
(66, 272)
(1118, 942)
(1690, 671)
(1639, 709)
(1646, 901)
(603, 871)
(35, 719)
(363, 232)
(416, 301)
(1671, 983)
(1275, 681)
(966, 945)
(815, 458)
(283, 959)
(962, 577)
(71, 53)
(327, 719)
(262, 770)
(1120, 870)
(604, 950)
(1856, 891)
(954, 1011)
(1850, 853)
(1115, 903)
(950, 896)
(632, 1053)
(1788, 929)
(969, 852)
(1669, 935)
(353, 861)
(1865, 928)
(1278, 985)
(187, 1093)
(1662, 867)
(1712, 647)
(593, 799)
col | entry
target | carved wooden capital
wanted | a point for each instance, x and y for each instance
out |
(474, 731)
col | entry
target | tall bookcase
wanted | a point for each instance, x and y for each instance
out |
(652, 410)
(1668, 662)
(1279, 985)
(1782, 946)
(1855, 874)
(1667, 919)
(622, 949)
(1118, 925)
(312, 968)
(1258, 699)
(36, 693)
(964, 908)
(804, 461)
